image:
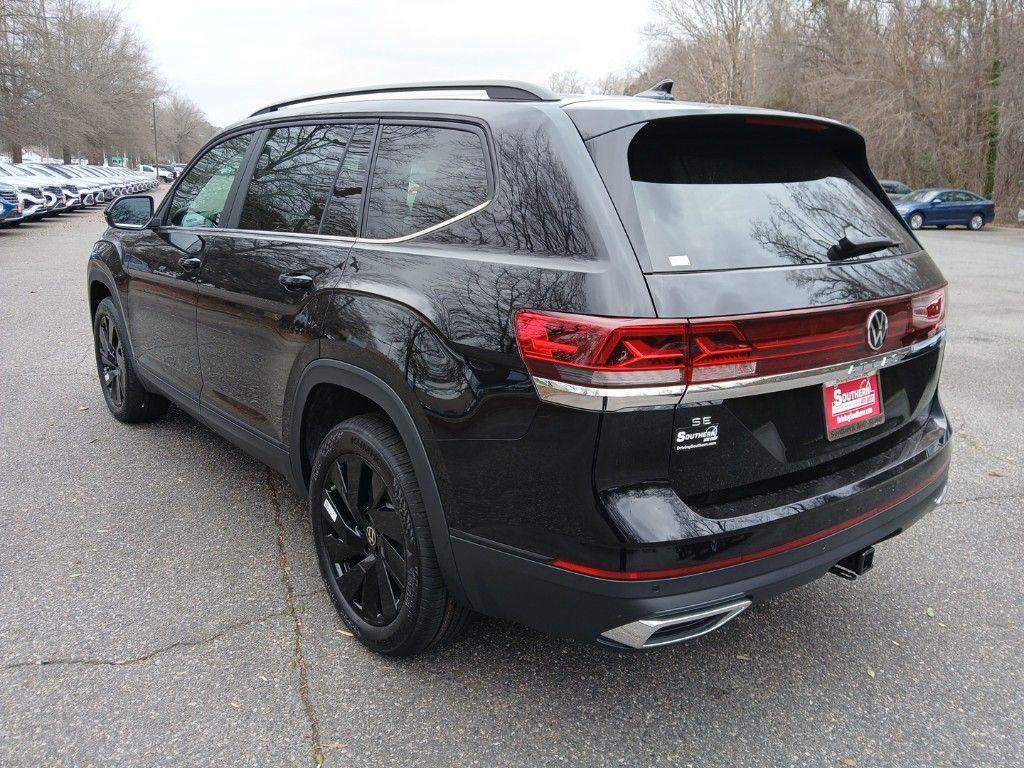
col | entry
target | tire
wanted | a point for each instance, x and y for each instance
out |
(373, 541)
(916, 220)
(124, 394)
(976, 222)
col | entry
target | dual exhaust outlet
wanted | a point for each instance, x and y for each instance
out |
(677, 628)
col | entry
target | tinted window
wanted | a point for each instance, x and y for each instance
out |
(293, 177)
(346, 202)
(725, 194)
(422, 176)
(200, 198)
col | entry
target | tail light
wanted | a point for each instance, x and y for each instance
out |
(613, 352)
(602, 352)
(928, 311)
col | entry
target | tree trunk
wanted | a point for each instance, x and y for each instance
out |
(15, 152)
(66, 155)
(992, 152)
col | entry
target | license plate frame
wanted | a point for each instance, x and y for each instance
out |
(857, 407)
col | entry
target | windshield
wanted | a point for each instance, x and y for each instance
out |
(730, 195)
(921, 195)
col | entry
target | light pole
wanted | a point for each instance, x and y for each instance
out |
(156, 157)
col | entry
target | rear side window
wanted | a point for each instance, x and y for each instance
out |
(422, 176)
(200, 198)
(346, 200)
(291, 184)
(716, 194)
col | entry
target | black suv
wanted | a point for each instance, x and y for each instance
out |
(614, 368)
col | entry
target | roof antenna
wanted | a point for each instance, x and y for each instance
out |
(661, 92)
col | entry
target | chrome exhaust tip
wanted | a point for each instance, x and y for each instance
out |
(677, 628)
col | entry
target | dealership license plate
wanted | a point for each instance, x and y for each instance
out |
(852, 406)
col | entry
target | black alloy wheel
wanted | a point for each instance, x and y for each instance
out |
(374, 543)
(363, 539)
(126, 396)
(110, 355)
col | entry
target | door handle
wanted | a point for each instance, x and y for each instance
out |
(295, 281)
(189, 263)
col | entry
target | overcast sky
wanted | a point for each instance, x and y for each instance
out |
(234, 56)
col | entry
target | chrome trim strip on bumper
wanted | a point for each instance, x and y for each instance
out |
(597, 399)
(642, 398)
(637, 634)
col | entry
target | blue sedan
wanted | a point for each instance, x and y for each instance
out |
(941, 207)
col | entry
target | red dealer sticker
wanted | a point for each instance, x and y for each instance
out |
(851, 406)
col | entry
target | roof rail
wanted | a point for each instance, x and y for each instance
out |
(499, 90)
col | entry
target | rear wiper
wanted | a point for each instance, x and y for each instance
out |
(847, 247)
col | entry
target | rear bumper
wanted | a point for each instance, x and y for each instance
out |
(517, 586)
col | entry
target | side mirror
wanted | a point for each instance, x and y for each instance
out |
(130, 212)
(936, 201)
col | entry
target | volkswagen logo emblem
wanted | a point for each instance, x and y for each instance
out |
(371, 536)
(878, 329)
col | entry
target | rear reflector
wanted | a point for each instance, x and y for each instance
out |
(614, 352)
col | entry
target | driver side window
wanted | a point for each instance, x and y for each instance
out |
(200, 198)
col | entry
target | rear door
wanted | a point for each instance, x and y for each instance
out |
(738, 223)
(964, 207)
(290, 234)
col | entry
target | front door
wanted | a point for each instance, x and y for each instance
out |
(943, 210)
(164, 263)
(254, 328)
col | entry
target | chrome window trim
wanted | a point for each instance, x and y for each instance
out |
(428, 230)
(315, 237)
(642, 398)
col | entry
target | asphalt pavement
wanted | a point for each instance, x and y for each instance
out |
(160, 603)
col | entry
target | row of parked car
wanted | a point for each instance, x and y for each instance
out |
(164, 171)
(939, 207)
(30, 191)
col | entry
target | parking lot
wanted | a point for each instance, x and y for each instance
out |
(161, 603)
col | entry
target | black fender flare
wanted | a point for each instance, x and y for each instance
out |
(99, 273)
(325, 371)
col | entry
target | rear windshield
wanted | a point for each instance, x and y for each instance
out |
(727, 195)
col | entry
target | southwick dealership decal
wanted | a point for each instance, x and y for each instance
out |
(701, 433)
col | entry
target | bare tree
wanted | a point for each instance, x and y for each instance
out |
(936, 86)
(75, 76)
(183, 127)
(567, 81)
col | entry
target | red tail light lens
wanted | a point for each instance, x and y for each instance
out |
(928, 311)
(602, 352)
(613, 352)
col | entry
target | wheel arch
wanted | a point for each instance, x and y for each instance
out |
(98, 291)
(374, 392)
(105, 275)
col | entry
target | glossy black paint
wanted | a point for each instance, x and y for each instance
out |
(248, 330)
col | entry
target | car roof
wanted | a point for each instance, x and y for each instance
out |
(593, 115)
